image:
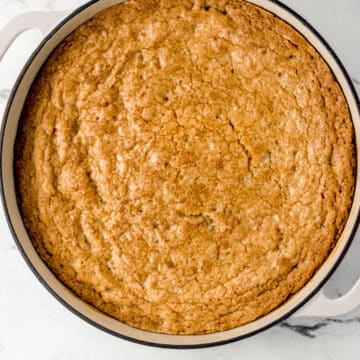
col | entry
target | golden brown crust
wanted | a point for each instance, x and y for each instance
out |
(185, 167)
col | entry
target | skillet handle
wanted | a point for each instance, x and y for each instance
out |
(43, 20)
(321, 305)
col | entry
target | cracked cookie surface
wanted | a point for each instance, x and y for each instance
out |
(185, 166)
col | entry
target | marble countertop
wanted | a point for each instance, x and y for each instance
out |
(34, 325)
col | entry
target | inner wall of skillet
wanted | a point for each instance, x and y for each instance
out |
(9, 133)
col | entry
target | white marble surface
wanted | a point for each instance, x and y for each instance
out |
(33, 325)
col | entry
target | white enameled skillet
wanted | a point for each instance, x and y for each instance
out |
(310, 298)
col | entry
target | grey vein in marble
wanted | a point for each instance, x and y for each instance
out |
(4, 94)
(310, 330)
(355, 81)
(8, 248)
